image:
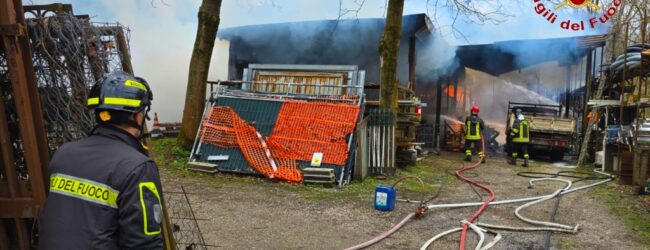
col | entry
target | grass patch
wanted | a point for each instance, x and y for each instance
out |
(174, 158)
(634, 210)
(168, 154)
(566, 243)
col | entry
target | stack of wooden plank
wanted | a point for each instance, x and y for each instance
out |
(318, 175)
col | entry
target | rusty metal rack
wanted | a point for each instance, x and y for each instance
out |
(22, 134)
(246, 89)
(47, 64)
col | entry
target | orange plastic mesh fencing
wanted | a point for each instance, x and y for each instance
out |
(217, 128)
(222, 127)
(309, 127)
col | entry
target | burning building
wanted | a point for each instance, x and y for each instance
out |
(448, 78)
(329, 42)
(539, 71)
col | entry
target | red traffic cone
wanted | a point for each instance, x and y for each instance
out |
(155, 122)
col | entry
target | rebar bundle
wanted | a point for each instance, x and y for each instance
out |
(70, 55)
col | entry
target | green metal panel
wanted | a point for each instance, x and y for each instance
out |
(262, 115)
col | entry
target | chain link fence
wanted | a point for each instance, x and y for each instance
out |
(183, 221)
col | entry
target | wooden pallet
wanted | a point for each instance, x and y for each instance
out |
(202, 167)
(318, 175)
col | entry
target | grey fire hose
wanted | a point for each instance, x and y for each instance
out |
(502, 202)
(479, 231)
(547, 226)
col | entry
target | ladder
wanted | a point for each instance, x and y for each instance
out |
(594, 109)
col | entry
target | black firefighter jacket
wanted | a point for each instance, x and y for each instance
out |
(105, 193)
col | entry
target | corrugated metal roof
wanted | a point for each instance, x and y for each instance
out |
(506, 56)
(331, 42)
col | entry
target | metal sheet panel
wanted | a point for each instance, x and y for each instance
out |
(262, 114)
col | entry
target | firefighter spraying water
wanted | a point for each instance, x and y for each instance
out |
(474, 126)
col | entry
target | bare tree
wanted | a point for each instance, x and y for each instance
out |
(199, 65)
(389, 53)
(629, 15)
(473, 11)
(478, 12)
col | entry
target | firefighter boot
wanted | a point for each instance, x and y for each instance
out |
(468, 158)
(525, 163)
(512, 161)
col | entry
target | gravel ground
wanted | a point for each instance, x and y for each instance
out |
(249, 216)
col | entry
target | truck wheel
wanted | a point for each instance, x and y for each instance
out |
(557, 154)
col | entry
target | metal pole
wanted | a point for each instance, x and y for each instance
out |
(567, 78)
(123, 47)
(587, 84)
(455, 95)
(438, 109)
(412, 60)
(640, 170)
(620, 115)
(464, 105)
(447, 95)
(602, 168)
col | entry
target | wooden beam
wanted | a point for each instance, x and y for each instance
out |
(18, 208)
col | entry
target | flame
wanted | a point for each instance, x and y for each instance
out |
(450, 91)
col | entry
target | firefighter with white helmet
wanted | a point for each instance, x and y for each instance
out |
(520, 136)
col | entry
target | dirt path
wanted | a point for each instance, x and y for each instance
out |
(269, 216)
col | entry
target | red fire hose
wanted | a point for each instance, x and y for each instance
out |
(473, 182)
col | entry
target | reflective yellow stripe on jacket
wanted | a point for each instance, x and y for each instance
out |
(473, 133)
(152, 188)
(522, 133)
(83, 189)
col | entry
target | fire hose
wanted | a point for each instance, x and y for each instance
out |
(503, 202)
(479, 231)
(383, 235)
(559, 192)
(419, 213)
(532, 200)
(422, 208)
(478, 212)
(547, 226)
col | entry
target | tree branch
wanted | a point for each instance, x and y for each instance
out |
(473, 11)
